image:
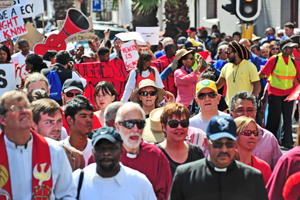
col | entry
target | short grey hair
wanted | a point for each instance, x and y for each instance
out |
(243, 95)
(111, 111)
(167, 40)
(128, 106)
(222, 47)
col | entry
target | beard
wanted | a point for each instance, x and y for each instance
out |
(131, 144)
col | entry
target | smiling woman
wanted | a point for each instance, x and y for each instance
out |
(247, 135)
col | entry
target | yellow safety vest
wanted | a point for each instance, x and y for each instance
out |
(283, 75)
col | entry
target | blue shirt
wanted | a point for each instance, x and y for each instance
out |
(284, 37)
(219, 64)
(255, 60)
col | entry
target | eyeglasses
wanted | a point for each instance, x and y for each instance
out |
(219, 145)
(242, 112)
(279, 35)
(131, 122)
(17, 108)
(191, 58)
(71, 94)
(173, 123)
(211, 95)
(249, 133)
(145, 93)
(229, 52)
(275, 49)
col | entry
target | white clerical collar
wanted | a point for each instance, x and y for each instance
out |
(130, 155)
(12, 145)
(216, 168)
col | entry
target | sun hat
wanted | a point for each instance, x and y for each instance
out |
(153, 130)
(145, 83)
(182, 52)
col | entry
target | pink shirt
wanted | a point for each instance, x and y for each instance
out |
(186, 86)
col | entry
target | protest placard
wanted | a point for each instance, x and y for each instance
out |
(130, 36)
(82, 36)
(21, 70)
(33, 36)
(30, 8)
(113, 71)
(6, 4)
(7, 77)
(11, 23)
(130, 55)
(149, 34)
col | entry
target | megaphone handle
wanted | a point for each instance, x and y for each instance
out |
(62, 36)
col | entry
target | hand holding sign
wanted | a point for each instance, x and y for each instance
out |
(75, 22)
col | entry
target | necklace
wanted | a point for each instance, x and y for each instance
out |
(234, 75)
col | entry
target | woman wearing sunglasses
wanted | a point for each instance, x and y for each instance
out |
(175, 125)
(149, 96)
(247, 135)
(273, 49)
(104, 94)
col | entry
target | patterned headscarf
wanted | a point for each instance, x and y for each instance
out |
(243, 52)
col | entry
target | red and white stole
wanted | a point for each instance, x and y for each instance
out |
(41, 169)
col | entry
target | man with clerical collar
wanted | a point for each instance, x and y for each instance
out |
(108, 174)
(136, 154)
(219, 176)
(31, 166)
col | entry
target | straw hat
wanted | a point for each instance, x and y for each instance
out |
(153, 130)
(254, 37)
(182, 52)
(145, 83)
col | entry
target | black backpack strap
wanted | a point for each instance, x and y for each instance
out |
(80, 183)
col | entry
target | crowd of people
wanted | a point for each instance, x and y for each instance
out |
(215, 136)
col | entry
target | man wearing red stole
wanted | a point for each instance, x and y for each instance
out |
(31, 166)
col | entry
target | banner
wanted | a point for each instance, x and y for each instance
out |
(11, 23)
(82, 36)
(162, 64)
(130, 55)
(149, 34)
(30, 8)
(113, 71)
(7, 77)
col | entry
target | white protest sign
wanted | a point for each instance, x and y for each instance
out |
(11, 23)
(21, 71)
(149, 34)
(6, 4)
(130, 36)
(130, 55)
(82, 36)
(7, 77)
(30, 8)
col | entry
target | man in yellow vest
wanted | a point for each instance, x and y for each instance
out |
(281, 71)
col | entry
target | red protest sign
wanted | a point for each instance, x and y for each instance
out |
(113, 71)
(161, 64)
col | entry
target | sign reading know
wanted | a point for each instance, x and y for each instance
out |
(30, 8)
(149, 34)
(7, 78)
(130, 55)
(82, 36)
(11, 23)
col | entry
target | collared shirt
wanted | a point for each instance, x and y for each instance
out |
(127, 184)
(20, 168)
(188, 70)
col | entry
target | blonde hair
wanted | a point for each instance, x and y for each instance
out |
(242, 122)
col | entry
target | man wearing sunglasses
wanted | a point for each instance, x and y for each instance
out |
(208, 99)
(244, 104)
(136, 154)
(218, 176)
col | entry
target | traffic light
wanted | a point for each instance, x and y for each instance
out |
(245, 10)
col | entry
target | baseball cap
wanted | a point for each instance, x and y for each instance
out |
(205, 84)
(89, 54)
(191, 29)
(116, 38)
(191, 43)
(221, 126)
(287, 43)
(72, 84)
(181, 41)
(107, 133)
(201, 28)
(271, 37)
(215, 35)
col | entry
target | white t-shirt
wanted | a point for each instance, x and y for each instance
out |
(131, 83)
(16, 57)
(127, 184)
(198, 122)
(86, 152)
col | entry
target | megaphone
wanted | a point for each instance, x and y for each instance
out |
(75, 22)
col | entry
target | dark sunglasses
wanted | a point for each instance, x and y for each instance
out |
(70, 94)
(145, 93)
(131, 122)
(218, 145)
(249, 133)
(275, 49)
(173, 123)
(279, 35)
(209, 94)
(229, 52)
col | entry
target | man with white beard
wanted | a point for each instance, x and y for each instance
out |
(136, 154)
